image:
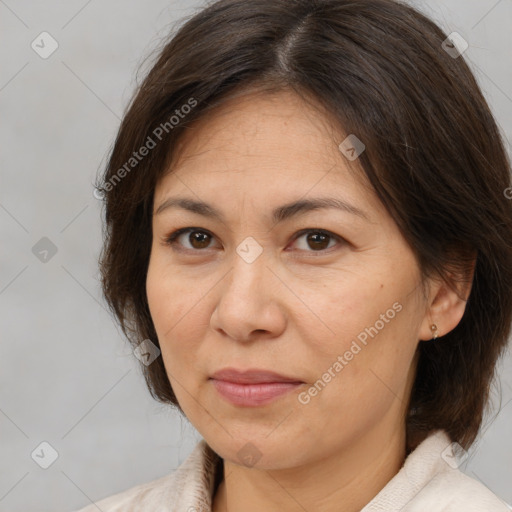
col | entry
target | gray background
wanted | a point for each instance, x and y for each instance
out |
(66, 375)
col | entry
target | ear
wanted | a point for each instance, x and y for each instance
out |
(446, 304)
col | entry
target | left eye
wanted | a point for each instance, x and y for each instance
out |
(317, 239)
(199, 239)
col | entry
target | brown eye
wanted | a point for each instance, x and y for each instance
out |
(316, 240)
(197, 239)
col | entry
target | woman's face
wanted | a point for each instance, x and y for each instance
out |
(340, 311)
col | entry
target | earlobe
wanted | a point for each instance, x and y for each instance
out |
(447, 306)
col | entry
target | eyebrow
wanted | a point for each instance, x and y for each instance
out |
(279, 214)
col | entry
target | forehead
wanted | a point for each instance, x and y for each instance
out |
(250, 122)
(259, 145)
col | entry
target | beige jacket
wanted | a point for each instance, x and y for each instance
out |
(429, 481)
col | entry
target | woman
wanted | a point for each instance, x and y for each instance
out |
(309, 245)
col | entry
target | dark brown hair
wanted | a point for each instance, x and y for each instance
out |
(434, 156)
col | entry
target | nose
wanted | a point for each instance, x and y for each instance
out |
(250, 301)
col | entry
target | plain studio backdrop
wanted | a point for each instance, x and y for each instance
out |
(67, 377)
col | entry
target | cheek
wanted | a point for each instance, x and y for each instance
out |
(371, 364)
(333, 316)
(358, 386)
(173, 297)
(174, 305)
(361, 350)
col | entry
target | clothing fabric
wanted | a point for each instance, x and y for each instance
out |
(428, 481)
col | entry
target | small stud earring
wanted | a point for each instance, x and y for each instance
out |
(433, 328)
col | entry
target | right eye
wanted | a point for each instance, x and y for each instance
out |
(198, 241)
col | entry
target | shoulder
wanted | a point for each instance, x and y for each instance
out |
(187, 487)
(448, 488)
(135, 498)
(454, 491)
(430, 479)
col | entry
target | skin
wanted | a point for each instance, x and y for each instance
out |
(293, 310)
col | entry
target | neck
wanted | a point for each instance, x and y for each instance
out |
(345, 481)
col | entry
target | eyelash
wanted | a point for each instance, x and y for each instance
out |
(171, 240)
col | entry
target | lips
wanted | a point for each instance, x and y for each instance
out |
(252, 376)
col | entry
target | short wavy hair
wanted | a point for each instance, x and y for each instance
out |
(434, 156)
